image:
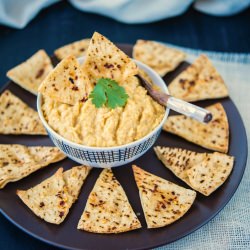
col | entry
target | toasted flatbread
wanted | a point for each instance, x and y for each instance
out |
(18, 161)
(105, 60)
(16, 117)
(163, 202)
(67, 83)
(108, 209)
(179, 160)
(32, 72)
(52, 198)
(74, 178)
(199, 81)
(204, 172)
(49, 200)
(159, 57)
(214, 135)
(77, 49)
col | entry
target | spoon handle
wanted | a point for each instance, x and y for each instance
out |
(188, 109)
(185, 108)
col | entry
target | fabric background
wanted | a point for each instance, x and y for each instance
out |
(17, 13)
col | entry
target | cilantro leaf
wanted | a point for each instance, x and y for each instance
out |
(98, 96)
(107, 92)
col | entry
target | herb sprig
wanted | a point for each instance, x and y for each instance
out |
(107, 92)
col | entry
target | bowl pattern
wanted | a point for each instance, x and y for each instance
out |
(105, 158)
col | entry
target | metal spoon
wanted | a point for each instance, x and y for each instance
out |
(185, 108)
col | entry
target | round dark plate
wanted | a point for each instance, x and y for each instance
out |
(67, 236)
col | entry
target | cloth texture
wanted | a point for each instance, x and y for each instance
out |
(17, 13)
(230, 229)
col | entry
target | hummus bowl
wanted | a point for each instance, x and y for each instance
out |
(105, 157)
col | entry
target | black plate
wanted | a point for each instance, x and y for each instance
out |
(67, 236)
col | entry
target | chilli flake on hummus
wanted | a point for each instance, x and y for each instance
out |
(109, 108)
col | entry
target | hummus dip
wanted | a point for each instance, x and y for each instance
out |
(85, 124)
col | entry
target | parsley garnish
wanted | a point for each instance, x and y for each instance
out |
(107, 92)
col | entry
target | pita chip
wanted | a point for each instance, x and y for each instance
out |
(49, 200)
(77, 49)
(105, 60)
(199, 81)
(159, 57)
(32, 72)
(214, 135)
(108, 209)
(16, 117)
(163, 202)
(67, 83)
(204, 172)
(18, 161)
(74, 179)
(52, 198)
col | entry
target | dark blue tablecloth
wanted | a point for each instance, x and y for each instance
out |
(61, 24)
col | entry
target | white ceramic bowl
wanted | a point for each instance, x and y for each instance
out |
(103, 157)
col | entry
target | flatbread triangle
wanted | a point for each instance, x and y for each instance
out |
(67, 83)
(163, 202)
(108, 209)
(204, 172)
(105, 60)
(159, 57)
(77, 49)
(32, 72)
(199, 81)
(16, 117)
(74, 179)
(214, 135)
(18, 161)
(52, 198)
